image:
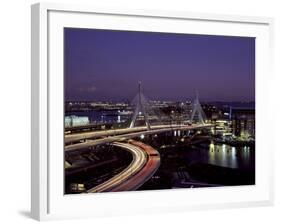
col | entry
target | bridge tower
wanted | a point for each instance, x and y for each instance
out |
(140, 109)
(197, 111)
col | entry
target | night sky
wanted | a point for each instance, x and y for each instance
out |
(107, 65)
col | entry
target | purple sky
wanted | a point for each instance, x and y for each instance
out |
(107, 65)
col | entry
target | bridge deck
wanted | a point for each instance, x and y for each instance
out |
(129, 135)
(98, 134)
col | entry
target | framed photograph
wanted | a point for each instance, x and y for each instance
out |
(138, 111)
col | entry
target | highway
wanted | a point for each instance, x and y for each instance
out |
(109, 139)
(145, 162)
(151, 166)
(98, 134)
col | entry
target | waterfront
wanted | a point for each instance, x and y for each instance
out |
(204, 164)
(100, 116)
(183, 164)
(239, 157)
(188, 158)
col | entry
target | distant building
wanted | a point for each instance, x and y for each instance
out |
(223, 128)
(243, 122)
(74, 121)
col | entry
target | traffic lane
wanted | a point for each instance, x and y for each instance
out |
(152, 165)
(141, 177)
(139, 160)
(97, 134)
(110, 139)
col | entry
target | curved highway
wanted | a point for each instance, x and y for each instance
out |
(151, 166)
(146, 161)
(139, 160)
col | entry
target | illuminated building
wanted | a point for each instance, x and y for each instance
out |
(243, 122)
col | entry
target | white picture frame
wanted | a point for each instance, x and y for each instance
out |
(47, 201)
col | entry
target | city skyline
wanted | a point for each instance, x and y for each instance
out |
(103, 65)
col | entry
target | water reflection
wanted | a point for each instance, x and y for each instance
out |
(222, 155)
(212, 153)
(230, 156)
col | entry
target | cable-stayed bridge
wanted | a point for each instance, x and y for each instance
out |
(145, 120)
(143, 110)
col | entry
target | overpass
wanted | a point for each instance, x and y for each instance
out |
(129, 133)
(70, 138)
